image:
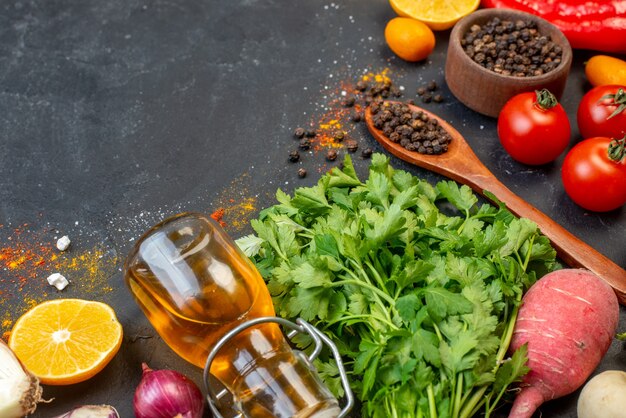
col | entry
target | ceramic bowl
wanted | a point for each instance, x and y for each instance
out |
(486, 91)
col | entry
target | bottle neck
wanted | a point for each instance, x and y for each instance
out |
(269, 379)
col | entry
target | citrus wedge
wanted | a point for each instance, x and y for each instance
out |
(437, 14)
(66, 341)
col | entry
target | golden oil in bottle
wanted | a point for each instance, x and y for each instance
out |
(195, 285)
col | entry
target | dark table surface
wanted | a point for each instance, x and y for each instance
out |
(116, 114)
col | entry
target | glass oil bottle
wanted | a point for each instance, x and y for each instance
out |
(194, 285)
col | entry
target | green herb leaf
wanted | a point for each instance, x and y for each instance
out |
(513, 369)
(519, 230)
(441, 302)
(329, 372)
(309, 303)
(311, 199)
(378, 187)
(415, 284)
(307, 276)
(461, 197)
(426, 346)
(403, 180)
(250, 245)
(326, 245)
(407, 307)
(459, 354)
(344, 178)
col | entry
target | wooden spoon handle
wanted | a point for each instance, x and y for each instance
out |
(572, 250)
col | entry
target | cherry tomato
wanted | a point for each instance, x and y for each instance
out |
(533, 128)
(594, 174)
(602, 112)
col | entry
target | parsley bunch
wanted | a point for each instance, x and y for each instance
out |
(419, 286)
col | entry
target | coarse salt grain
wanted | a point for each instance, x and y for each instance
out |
(63, 243)
(58, 280)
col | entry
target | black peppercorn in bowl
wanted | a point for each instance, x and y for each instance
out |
(495, 54)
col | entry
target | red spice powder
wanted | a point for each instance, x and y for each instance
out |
(218, 216)
(236, 204)
(337, 117)
(334, 120)
(29, 256)
(23, 258)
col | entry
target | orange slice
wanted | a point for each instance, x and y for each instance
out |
(66, 341)
(437, 14)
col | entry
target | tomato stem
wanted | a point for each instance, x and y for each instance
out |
(617, 149)
(545, 99)
(618, 99)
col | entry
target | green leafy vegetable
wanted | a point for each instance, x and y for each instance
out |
(419, 286)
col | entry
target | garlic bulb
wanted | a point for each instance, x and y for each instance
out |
(19, 389)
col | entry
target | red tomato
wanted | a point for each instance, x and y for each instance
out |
(594, 112)
(533, 128)
(592, 178)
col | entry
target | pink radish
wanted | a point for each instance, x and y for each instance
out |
(568, 318)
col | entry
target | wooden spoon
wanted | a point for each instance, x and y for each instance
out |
(461, 164)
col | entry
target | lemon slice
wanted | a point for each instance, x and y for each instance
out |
(66, 341)
(437, 14)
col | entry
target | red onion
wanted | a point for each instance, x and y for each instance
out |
(167, 394)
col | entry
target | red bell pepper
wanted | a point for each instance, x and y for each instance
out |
(588, 24)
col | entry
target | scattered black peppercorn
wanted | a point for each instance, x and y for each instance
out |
(426, 92)
(294, 156)
(301, 173)
(413, 130)
(348, 102)
(368, 91)
(305, 144)
(376, 90)
(352, 146)
(299, 132)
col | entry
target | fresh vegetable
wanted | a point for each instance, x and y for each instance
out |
(66, 341)
(603, 396)
(421, 301)
(167, 394)
(603, 70)
(91, 411)
(567, 320)
(594, 174)
(589, 24)
(602, 112)
(437, 14)
(533, 127)
(19, 389)
(409, 39)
